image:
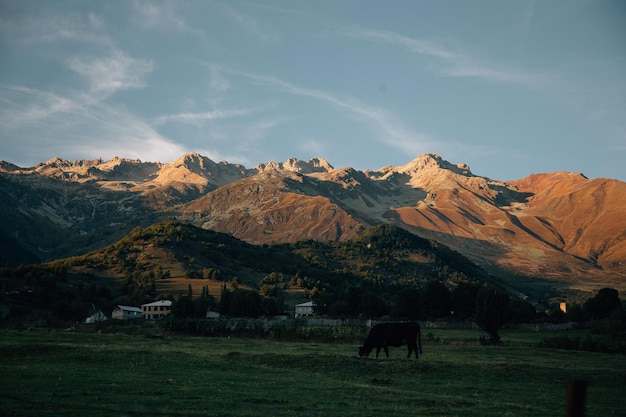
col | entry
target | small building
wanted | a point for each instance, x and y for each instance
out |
(156, 310)
(96, 317)
(211, 314)
(127, 313)
(304, 309)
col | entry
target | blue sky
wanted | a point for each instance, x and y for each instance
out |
(509, 87)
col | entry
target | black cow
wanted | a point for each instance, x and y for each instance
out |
(384, 335)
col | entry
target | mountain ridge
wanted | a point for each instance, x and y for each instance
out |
(561, 226)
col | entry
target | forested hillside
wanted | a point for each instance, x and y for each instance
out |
(361, 276)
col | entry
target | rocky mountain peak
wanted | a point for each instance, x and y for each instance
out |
(293, 164)
(8, 167)
(194, 162)
(429, 161)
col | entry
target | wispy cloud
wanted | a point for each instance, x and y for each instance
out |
(447, 61)
(218, 83)
(526, 19)
(112, 72)
(191, 117)
(76, 126)
(387, 127)
(54, 28)
(163, 16)
(106, 67)
(23, 106)
(250, 24)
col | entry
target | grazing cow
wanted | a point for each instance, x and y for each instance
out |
(384, 335)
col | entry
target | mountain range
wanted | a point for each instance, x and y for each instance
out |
(560, 227)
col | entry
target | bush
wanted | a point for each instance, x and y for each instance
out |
(257, 328)
(586, 343)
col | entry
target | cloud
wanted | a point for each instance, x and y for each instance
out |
(49, 27)
(387, 127)
(75, 126)
(106, 67)
(250, 24)
(217, 82)
(23, 106)
(528, 13)
(190, 117)
(448, 62)
(314, 147)
(162, 15)
(260, 129)
(113, 72)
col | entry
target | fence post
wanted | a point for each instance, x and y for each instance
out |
(576, 396)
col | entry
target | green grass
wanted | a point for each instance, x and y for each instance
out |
(78, 374)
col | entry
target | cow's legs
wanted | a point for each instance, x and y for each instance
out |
(378, 351)
(386, 350)
(419, 340)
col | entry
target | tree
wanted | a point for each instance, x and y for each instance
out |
(601, 306)
(225, 297)
(464, 299)
(373, 305)
(407, 304)
(183, 307)
(245, 303)
(522, 311)
(492, 311)
(435, 300)
(204, 302)
(575, 313)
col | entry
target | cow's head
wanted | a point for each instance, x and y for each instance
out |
(364, 351)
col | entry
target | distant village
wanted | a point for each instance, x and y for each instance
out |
(159, 309)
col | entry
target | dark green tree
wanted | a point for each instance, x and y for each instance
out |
(522, 311)
(203, 303)
(601, 306)
(407, 304)
(245, 303)
(183, 307)
(464, 299)
(225, 297)
(435, 300)
(373, 305)
(492, 311)
(575, 313)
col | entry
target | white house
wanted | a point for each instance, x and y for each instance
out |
(210, 314)
(127, 313)
(96, 318)
(156, 310)
(305, 309)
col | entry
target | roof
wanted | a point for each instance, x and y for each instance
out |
(129, 308)
(307, 304)
(165, 303)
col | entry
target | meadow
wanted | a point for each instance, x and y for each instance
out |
(57, 373)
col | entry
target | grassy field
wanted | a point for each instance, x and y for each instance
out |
(77, 374)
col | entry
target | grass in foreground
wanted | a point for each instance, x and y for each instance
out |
(77, 374)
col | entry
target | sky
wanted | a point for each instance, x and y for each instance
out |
(510, 88)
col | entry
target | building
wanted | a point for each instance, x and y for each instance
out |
(305, 309)
(210, 314)
(156, 310)
(97, 317)
(127, 313)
